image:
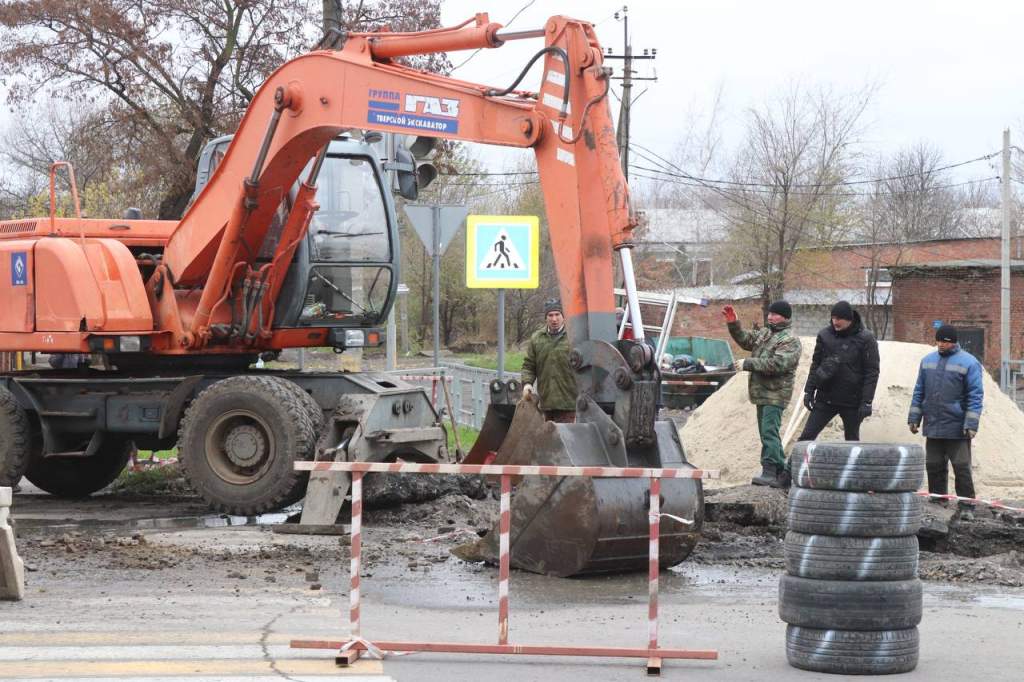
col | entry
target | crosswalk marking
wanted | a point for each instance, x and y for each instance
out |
(166, 656)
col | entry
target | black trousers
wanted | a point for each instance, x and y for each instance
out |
(823, 413)
(955, 451)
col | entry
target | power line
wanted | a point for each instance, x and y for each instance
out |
(490, 173)
(683, 174)
(819, 194)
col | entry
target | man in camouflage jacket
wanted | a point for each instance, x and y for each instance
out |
(546, 369)
(774, 355)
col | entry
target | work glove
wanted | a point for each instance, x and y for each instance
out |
(913, 428)
(970, 433)
(809, 400)
(738, 365)
(865, 411)
(528, 392)
(730, 313)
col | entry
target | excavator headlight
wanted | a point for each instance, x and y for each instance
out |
(119, 344)
(355, 338)
(131, 344)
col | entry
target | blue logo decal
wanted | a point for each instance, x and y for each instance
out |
(415, 112)
(19, 269)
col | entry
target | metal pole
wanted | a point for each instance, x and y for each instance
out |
(404, 314)
(654, 566)
(436, 238)
(1004, 283)
(392, 348)
(627, 89)
(504, 526)
(501, 334)
(632, 300)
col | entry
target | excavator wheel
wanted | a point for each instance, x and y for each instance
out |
(316, 416)
(15, 440)
(80, 476)
(238, 443)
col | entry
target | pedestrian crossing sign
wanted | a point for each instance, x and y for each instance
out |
(502, 252)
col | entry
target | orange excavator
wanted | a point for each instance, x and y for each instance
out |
(262, 261)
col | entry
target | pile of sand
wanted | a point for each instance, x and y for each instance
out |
(722, 433)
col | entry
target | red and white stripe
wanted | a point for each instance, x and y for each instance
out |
(506, 469)
(995, 504)
(349, 650)
(653, 568)
(356, 553)
(504, 527)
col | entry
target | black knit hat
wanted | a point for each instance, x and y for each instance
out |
(781, 308)
(842, 311)
(946, 332)
(552, 305)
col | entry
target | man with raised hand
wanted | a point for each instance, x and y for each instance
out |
(774, 355)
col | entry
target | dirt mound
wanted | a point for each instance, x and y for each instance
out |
(722, 433)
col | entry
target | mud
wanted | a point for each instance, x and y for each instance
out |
(744, 530)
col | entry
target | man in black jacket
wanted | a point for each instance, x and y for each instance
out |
(842, 378)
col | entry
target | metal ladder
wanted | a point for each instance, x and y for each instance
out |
(670, 302)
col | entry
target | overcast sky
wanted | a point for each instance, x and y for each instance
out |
(951, 73)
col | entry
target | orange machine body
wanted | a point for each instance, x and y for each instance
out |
(93, 277)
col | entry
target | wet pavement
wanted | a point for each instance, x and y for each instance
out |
(113, 598)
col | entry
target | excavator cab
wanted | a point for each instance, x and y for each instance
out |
(342, 276)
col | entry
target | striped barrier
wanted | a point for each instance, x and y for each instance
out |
(350, 649)
(994, 504)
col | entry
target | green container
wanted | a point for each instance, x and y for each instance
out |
(715, 352)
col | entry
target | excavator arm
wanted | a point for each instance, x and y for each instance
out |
(313, 98)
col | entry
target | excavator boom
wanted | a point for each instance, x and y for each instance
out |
(222, 267)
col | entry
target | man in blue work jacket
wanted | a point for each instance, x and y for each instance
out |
(948, 396)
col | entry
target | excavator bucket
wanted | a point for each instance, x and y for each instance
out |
(565, 526)
(497, 420)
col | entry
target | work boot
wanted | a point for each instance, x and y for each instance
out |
(769, 474)
(965, 514)
(783, 481)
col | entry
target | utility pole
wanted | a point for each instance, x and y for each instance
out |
(1004, 275)
(627, 78)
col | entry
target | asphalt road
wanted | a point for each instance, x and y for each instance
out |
(224, 603)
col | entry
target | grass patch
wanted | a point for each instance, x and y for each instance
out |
(467, 436)
(513, 360)
(150, 481)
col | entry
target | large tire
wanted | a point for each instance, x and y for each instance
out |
(847, 652)
(15, 440)
(857, 467)
(848, 605)
(828, 512)
(238, 443)
(312, 407)
(825, 557)
(80, 476)
(318, 420)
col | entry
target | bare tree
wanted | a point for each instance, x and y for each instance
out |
(911, 200)
(785, 188)
(170, 74)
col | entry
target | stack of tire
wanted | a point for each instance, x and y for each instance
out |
(851, 596)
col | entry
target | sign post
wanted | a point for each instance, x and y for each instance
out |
(436, 225)
(502, 252)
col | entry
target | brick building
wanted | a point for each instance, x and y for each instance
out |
(964, 293)
(820, 276)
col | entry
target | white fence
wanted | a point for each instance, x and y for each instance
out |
(468, 388)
